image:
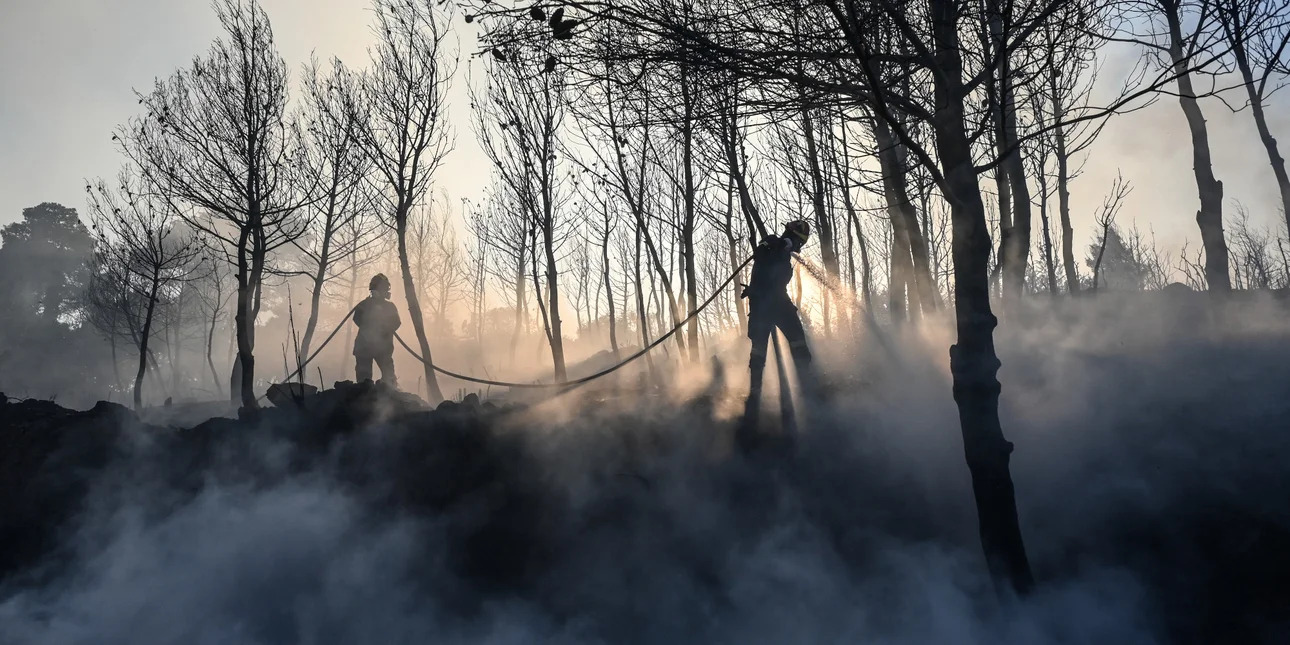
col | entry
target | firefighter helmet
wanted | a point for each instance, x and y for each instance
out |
(799, 229)
(379, 283)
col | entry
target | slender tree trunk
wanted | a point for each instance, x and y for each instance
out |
(519, 305)
(210, 347)
(1048, 238)
(1064, 193)
(642, 316)
(609, 287)
(898, 205)
(553, 304)
(866, 268)
(1101, 250)
(687, 226)
(1265, 134)
(636, 203)
(116, 365)
(730, 142)
(732, 244)
(144, 336)
(973, 361)
(1017, 248)
(1002, 188)
(433, 393)
(917, 273)
(346, 348)
(1210, 215)
(823, 224)
(248, 272)
(319, 281)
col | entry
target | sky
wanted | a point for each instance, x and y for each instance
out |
(71, 67)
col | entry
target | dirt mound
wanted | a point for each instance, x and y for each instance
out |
(48, 457)
(639, 521)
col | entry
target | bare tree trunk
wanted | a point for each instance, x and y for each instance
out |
(1101, 250)
(1210, 215)
(249, 273)
(346, 348)
(733, 245)
(1048, 238)
(210, 350)
(1002, 189)
(866, 268)
(144, 336)
(433, 393)
(917, 273)
(519, 306)
(687, 225)
(553, 305)
(609, 294)
(1017, 244)
(1064, 194)
(319, 281)
(1261, 123)
(641, 314)
(973, 361)
(730, 141)
(897, 200)
(823, 224)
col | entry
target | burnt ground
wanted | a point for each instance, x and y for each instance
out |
(1156, 507)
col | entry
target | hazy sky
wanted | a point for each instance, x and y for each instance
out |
(70, 68)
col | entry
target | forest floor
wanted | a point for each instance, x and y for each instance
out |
(1152, 472)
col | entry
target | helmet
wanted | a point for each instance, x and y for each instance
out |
(379, 283)
(799, 229)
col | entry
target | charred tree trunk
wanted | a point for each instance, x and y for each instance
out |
(973, 361)
(1210, 215)
(687, 226)
(1017, 246)
(1261, 123)
(144, 336)
(1048, 238)
(642, 316)
(249, 272)
(553, 305)
(609, 287)
(823, 223)
(730, 143)
(433, 393)
(349, 329)
(210, 349)
(1063, 192)
(732, 244)
(319, 280)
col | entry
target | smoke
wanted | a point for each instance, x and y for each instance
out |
(1148, 465)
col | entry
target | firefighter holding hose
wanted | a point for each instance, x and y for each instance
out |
(769, 306)
(377, 319)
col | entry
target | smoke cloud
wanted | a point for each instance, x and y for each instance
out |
(1149, 466)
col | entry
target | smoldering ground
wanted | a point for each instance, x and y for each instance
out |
(1149, 467)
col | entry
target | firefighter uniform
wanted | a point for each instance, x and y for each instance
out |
(770, 308)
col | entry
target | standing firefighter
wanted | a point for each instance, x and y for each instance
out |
(377, 320)
(769, 306)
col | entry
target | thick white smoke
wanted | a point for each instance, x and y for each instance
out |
(1140, 426)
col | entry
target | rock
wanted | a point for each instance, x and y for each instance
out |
(290, 394)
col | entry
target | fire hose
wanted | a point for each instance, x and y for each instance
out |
(568, 385)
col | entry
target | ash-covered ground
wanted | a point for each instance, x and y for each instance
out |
(1152, 469)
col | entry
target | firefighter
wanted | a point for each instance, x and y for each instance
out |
(769, 306)
(377, 319)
